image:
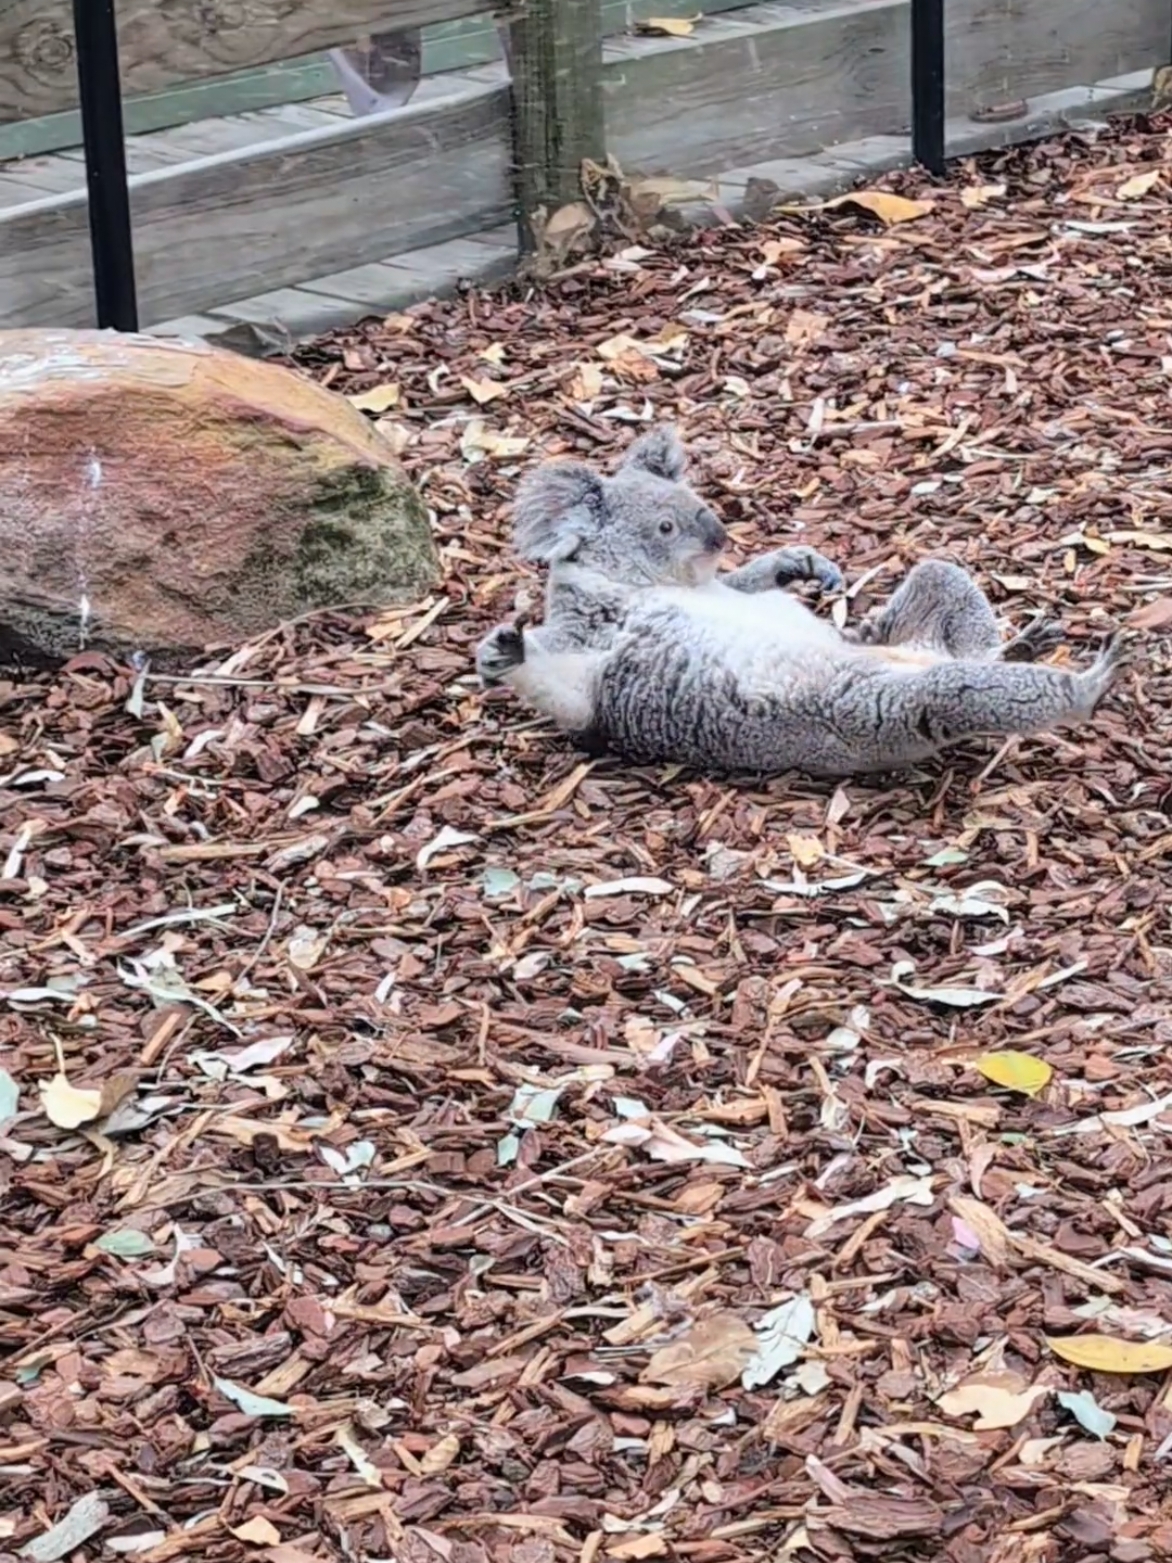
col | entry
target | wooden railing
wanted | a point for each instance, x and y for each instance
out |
(758, 83)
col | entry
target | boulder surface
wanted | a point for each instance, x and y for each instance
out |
(163, 496)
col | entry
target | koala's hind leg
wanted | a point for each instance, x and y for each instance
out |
(558, 684)
(937, 607)
(782, 567)
(895, 718)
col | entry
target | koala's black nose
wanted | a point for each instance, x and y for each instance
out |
(714, 535)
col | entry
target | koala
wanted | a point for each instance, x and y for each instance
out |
(610, 540)
(699, 678)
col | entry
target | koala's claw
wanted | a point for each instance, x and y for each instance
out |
(1037, 640)
(1118, 653)
(803, 563)
(501, 650)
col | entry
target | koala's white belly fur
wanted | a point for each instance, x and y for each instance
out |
(769, 641)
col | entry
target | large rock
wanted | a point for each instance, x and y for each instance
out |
(163, 496)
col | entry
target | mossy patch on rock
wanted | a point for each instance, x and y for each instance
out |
(163, 496)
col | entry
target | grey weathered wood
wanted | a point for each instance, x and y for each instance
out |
(556, 58)
(161, 45)
(251, 221)
(789, 80)
(768, 81)
(1002, 50)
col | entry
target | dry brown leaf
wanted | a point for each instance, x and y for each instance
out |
(713, 1353)
(889, 209)
(653, 1544)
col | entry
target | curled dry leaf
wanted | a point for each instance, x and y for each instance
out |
(888, 208)
(714, 1353)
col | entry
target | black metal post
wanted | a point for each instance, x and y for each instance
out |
(100, 91)
(928, 84)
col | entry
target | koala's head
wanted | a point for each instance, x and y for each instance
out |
(643, 526)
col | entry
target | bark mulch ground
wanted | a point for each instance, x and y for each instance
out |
(421, 1143)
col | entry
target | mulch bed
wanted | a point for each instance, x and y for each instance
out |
(483, 1153)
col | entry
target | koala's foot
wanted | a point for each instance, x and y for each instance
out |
(1037, 640)
(1119, 652)
(501, 650)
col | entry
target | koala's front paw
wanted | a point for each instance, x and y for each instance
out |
(501, 650)
(806, 564)
(1037, 640)
(1119, 652)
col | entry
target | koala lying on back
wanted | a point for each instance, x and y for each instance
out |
(646, 651)
(608, 541)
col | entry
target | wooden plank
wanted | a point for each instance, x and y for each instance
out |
(789, 80)
(449, 46)
(1001, 50)
(768, 81)
(161, 45)
(556, 57)
(267, 217)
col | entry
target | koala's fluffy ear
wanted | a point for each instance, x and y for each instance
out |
(659, 452)
(558, 504)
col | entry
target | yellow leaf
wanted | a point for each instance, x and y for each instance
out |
(805, 850)
(1096, 545)
(713, 1353)
(69, 1106)
(440, 1455)
(887, 207)
(1016, 1071)
(1104, 1354)
(1140, 185)
(494, 354)
(975, 196)
(380, 398)
(669, 26)
(259, 1531)
(483, 391)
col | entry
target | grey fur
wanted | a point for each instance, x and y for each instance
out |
(717, 682)
(609, 540)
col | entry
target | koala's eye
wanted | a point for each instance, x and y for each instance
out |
(667, 527)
